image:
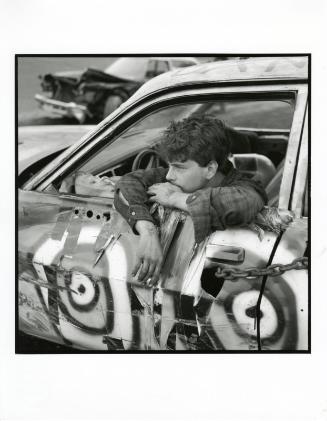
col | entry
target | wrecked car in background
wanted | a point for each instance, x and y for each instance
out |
(91, 94)
(242, 289)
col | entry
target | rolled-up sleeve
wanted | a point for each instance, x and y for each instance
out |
(218, 208)
(133, 187)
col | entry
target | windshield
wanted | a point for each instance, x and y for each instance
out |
(133, 68)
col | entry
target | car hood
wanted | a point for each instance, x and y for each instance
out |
(38, 142)
(88, 74)
(73, 74)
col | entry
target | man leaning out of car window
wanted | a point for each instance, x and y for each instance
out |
(199, 180)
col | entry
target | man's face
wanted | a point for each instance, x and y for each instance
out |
(187, 175)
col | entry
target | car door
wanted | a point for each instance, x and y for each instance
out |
(70, 292)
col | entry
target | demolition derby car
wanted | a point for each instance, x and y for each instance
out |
(91, 94)
(242, 289)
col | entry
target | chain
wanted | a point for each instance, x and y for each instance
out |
(231, 273)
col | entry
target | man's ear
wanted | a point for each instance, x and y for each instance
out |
(212, 168)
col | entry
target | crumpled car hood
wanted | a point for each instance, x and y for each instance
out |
(86, 75)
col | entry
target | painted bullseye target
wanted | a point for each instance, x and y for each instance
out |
(86, 290)
(83, 294)
(244, 311)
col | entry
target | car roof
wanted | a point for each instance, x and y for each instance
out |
(160, 58)
(189, 59)
(252, 69)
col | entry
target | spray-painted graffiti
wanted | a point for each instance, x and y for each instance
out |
(70, 296)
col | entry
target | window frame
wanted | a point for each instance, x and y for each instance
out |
(300, 190)
(113, 162)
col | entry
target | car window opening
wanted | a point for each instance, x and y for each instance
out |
(259, 131)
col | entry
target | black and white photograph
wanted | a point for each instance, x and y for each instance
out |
(163, 203)
(163, 210)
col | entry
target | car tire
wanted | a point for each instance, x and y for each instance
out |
(112, 102)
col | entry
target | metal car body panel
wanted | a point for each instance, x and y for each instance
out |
(253, 69)
(58, 250)
(69, 296)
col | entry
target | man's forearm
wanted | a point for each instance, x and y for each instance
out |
(178, 200)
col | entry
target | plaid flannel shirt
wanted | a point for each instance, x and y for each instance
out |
(233, 201)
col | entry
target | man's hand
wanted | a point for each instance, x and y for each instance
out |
(168, 194)
(149, 255)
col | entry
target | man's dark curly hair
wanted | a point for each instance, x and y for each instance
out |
(199, 138)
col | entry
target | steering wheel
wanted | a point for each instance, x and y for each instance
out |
(146, 159)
